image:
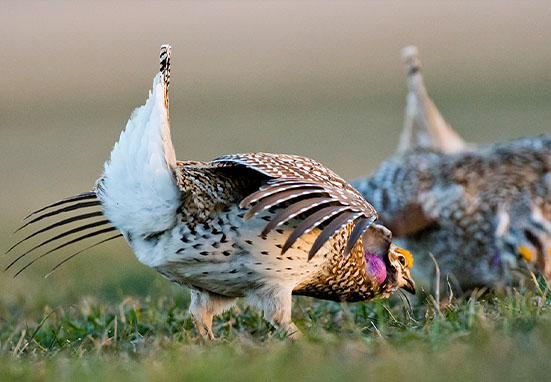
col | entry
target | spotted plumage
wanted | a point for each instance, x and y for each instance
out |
(484, 212)
(457, 203)
(259, 226)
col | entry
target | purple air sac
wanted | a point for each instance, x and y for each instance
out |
(375, 267)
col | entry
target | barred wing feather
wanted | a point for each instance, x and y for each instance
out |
(304, 184)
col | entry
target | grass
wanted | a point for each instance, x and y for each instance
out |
(105, 316)
(334, 93)
(483, 336)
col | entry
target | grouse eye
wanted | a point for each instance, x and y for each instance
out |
(402, 260)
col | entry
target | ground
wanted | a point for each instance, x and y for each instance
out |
(485, 336)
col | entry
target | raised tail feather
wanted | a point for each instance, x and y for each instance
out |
(137, 191)
(424, 126)
(138, 188)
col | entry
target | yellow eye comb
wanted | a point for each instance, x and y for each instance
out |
(525, 253)
(407, 254)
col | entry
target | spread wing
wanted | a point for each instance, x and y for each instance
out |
(307, 187)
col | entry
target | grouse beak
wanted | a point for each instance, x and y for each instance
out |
(408, 284)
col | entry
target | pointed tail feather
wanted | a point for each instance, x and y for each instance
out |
(74, 198)
(424, 126)
(59, 211)
(138, 189)
(66, 205)
(80, 238)
(60, 236)
(55, 225)
(79, 252)
(164, 69)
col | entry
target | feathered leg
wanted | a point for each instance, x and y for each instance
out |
(204, 306)
(276, 304)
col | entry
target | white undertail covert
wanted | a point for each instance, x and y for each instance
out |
(138, 189)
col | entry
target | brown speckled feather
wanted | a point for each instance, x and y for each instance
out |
(293, 177)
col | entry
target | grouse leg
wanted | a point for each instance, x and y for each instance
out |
(204, 306)
(276, 303)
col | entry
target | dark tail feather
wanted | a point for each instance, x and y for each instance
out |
(293, 210)
(58, 224)
(278, 198)
(83, 196)
(310, 223)
(361, 226)
(61, 210)
(88, 235)
(61, 235)
(332, 228)
(79, 252)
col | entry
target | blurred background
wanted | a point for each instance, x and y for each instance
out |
(317, 78)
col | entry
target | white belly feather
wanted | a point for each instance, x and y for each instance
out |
(229, 262)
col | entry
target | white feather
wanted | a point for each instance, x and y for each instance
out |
(138, 189)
